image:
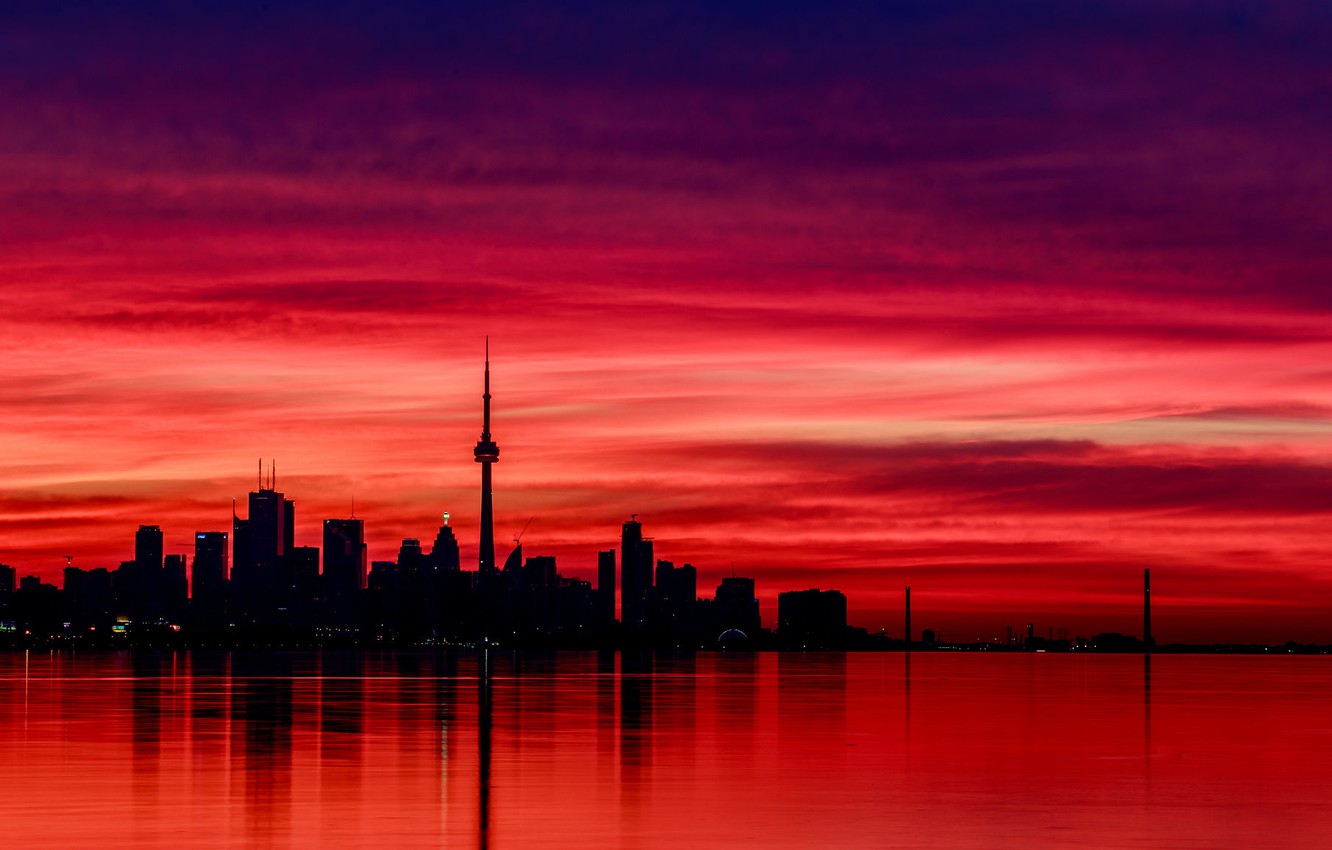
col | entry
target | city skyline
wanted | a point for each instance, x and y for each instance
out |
(268, 588)
(424, 596)
(1002, 305)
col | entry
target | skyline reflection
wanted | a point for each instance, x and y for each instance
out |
(639, 750)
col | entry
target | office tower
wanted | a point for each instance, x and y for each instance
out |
(635, 575)
(606, 586)
(449, 590)
(175, 589)
(242, 572)
(344, 560)
(210, 564)
(87, 599)
(486, 453)
(148, 548)
(444, 554)
(811, 615)
(410, 554)
(683, 592)
(736, 605)
(209, 576)
(677, 587)
(575, 608)
(303, 567)
(673, 600)
(143, 588)
(7, 579)
(539, 571)
(260, 575)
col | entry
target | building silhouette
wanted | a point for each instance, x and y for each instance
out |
(344, 575)
(143, 583)
(175, 587)
(209, 599)
(811, 616)
(735, 606)
(8, 577)
(486, 453)
(264, 590)
(606, 586)
(635, 575)
(260, 574)
(444, 552)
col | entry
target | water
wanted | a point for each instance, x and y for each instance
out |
(603, 750)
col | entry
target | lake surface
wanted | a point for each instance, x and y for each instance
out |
(591, 750)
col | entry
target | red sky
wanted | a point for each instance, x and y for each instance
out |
(1003, 308)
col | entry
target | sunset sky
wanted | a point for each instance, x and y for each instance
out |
(1003, 301)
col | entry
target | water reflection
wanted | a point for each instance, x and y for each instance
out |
(261, 724)
(1147, 718)
(484, 723)
(678, 750)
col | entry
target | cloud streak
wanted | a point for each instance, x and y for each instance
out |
(833, 291)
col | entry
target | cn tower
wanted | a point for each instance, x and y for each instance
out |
(485, 454)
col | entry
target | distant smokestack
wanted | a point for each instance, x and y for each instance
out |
(908, 619)
(1147, 610)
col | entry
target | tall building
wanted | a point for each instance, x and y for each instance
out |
(344, 561)
(148, 548)
(175, 588)
(606, 586)
(486, 453)
(209, 585)
(260, 575)
(811, 614)
(635, 575)
(410, 555)
(736, 605)
(444, 555)
(448, 589)
(142, 584)
(7, 578)
(89, 598)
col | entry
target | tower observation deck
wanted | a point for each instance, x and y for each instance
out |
(486, 453)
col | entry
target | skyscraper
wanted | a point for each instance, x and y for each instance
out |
(344, 564)
(148, 548)
(486, 453)
(143, 591)
(606, 586)
(635, 575)
(736, 605)
(175, 588)
(7, 577)
(210, 577)
(444, 551)
(260, 574)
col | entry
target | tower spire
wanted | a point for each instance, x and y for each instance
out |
(486, 453)
(485, 423)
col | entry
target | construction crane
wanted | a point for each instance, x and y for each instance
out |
(518, 538)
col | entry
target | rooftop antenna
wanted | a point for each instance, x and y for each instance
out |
(69, 561)
(273, 480)
(233, 508)
(261, 473)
